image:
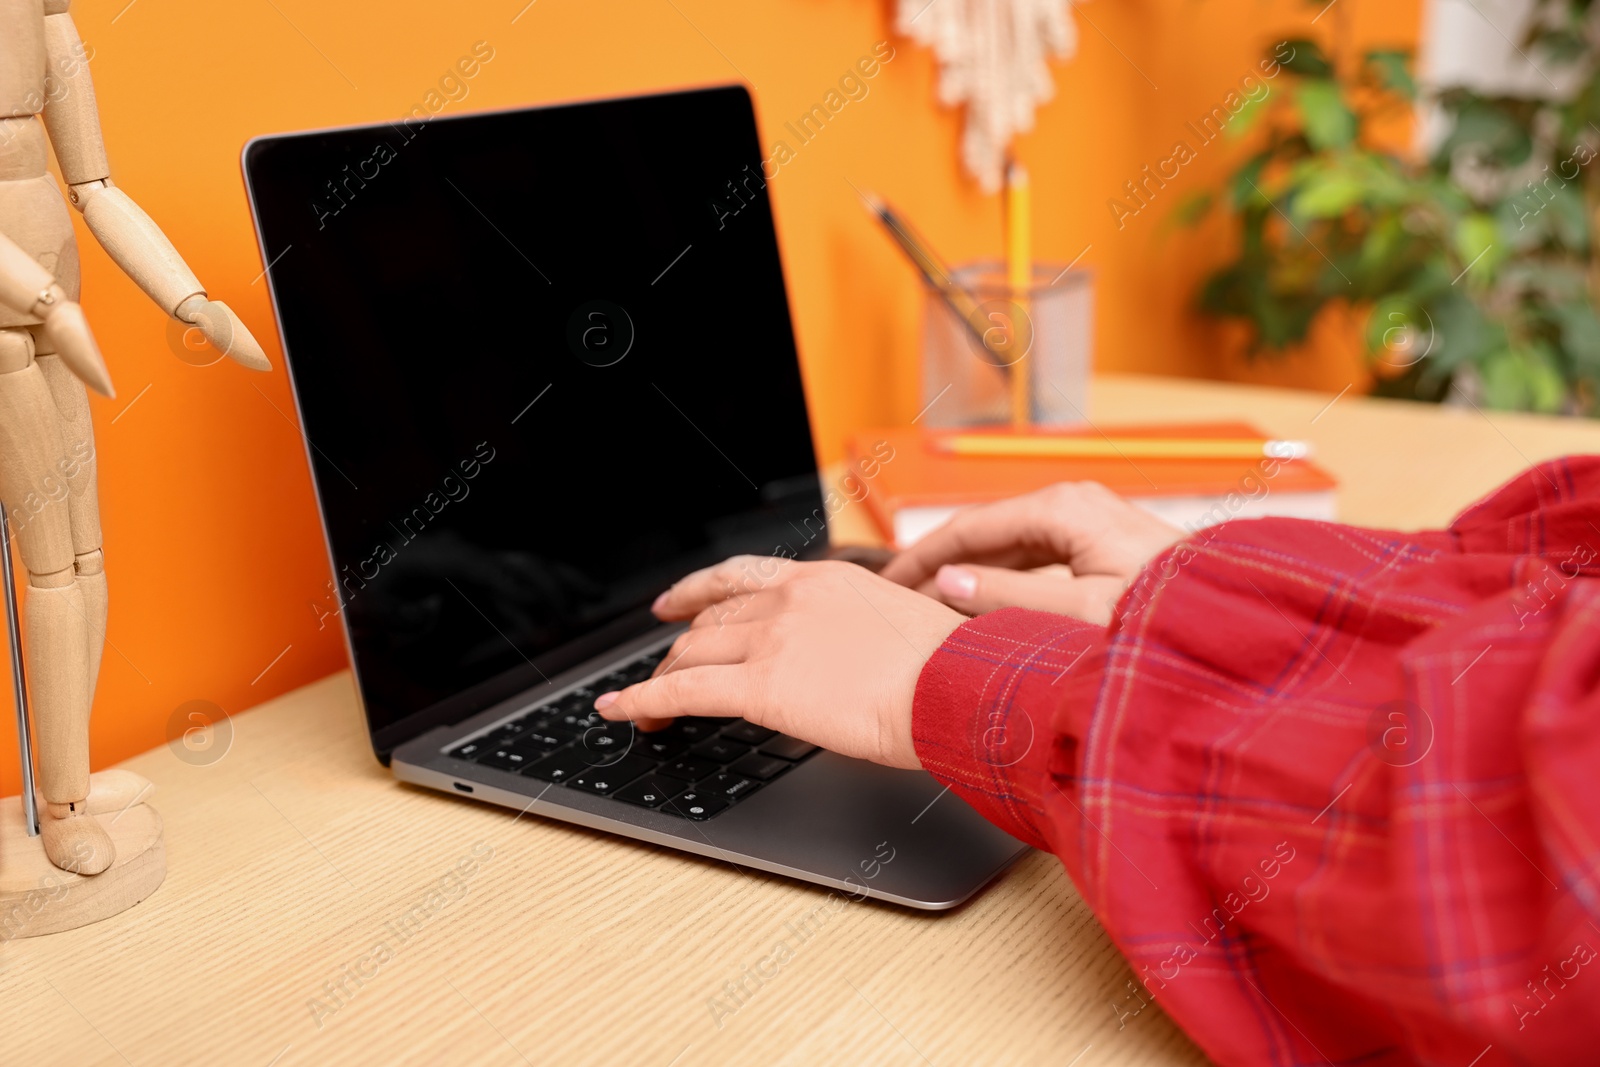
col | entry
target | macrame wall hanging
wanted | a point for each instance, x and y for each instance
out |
(993, 57)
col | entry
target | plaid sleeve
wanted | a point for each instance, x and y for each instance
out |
(1332, 791)
(999, 708)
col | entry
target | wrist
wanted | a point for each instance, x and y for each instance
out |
(899, 743)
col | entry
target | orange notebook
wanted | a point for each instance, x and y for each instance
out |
(910, 489)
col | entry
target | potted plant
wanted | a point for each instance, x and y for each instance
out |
(1474, 267)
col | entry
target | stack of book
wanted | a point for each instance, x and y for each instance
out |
(1191, 475)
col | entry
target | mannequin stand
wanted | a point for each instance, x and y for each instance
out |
(37, 897)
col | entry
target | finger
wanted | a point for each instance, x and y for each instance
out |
(704, 647)
(1082, 524)
(975, 590)
(987, 530)
(739, 576)
(69, 330)
(231, 336)
(718, 690)
(738, 610)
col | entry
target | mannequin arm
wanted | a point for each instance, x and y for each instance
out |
(27, 287)
(129, 236)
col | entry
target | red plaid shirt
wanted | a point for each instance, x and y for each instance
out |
(1334, 792)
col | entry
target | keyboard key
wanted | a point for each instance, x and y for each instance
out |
(561, 767)
(565, 726)
(650, 791)
(470, 750)
(506, 758)
(575, 723)
(789, 748)
(689, 768)
(720, 750)
(603, 780)
(611, 682)
(538, 744)
(636, 672)
(693, 728)
(694, 806)
(606, 743)
(726, 786)
(662, 748)
(748, 733)
(579, 701)
(762, 768)
(507, 732)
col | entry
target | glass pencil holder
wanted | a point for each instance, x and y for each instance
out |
(970, 354)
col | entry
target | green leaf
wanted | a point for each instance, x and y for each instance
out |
(1328, 194)
(1328, 122)
(1503, 384)
(1382, 245)
(1463, 335)
(1580, 336)
(1244, 188)
(1523, 379)
(1569, 221)
(1476, 238)
(1547, 388)
(1392, 69)
(1303, 57)
(1245, 118)
(1490, 130)
(1524, 224)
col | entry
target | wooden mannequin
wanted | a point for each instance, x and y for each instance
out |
(47, 356)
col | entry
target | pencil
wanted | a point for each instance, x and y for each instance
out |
(1016, 446)
(1019, 272)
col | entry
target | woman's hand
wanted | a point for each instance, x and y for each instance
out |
(826, 652)
(980, 560)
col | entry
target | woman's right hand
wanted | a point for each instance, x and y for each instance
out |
(984, 557)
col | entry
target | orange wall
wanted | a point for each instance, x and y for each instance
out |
(212, 540)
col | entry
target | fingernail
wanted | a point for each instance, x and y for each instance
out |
(956, 582)
(660, 600)
(604, 701)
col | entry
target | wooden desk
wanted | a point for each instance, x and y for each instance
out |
(295, 855)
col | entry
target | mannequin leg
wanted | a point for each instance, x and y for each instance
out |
(72, 404)
(55, 618)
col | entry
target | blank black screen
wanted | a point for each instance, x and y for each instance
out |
(543, 369)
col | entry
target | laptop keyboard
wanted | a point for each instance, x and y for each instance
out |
(696, 768)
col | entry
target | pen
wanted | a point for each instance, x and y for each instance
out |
(933, 271)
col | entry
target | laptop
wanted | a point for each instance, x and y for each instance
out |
(544, 367)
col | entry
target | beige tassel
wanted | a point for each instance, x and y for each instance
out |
(993, 57)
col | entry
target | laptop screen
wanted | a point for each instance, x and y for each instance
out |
(544, 366)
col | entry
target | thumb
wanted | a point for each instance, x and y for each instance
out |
(76, 346)
(230, 335)
(975, 590)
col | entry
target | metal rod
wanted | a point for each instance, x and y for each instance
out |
(30, 803)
